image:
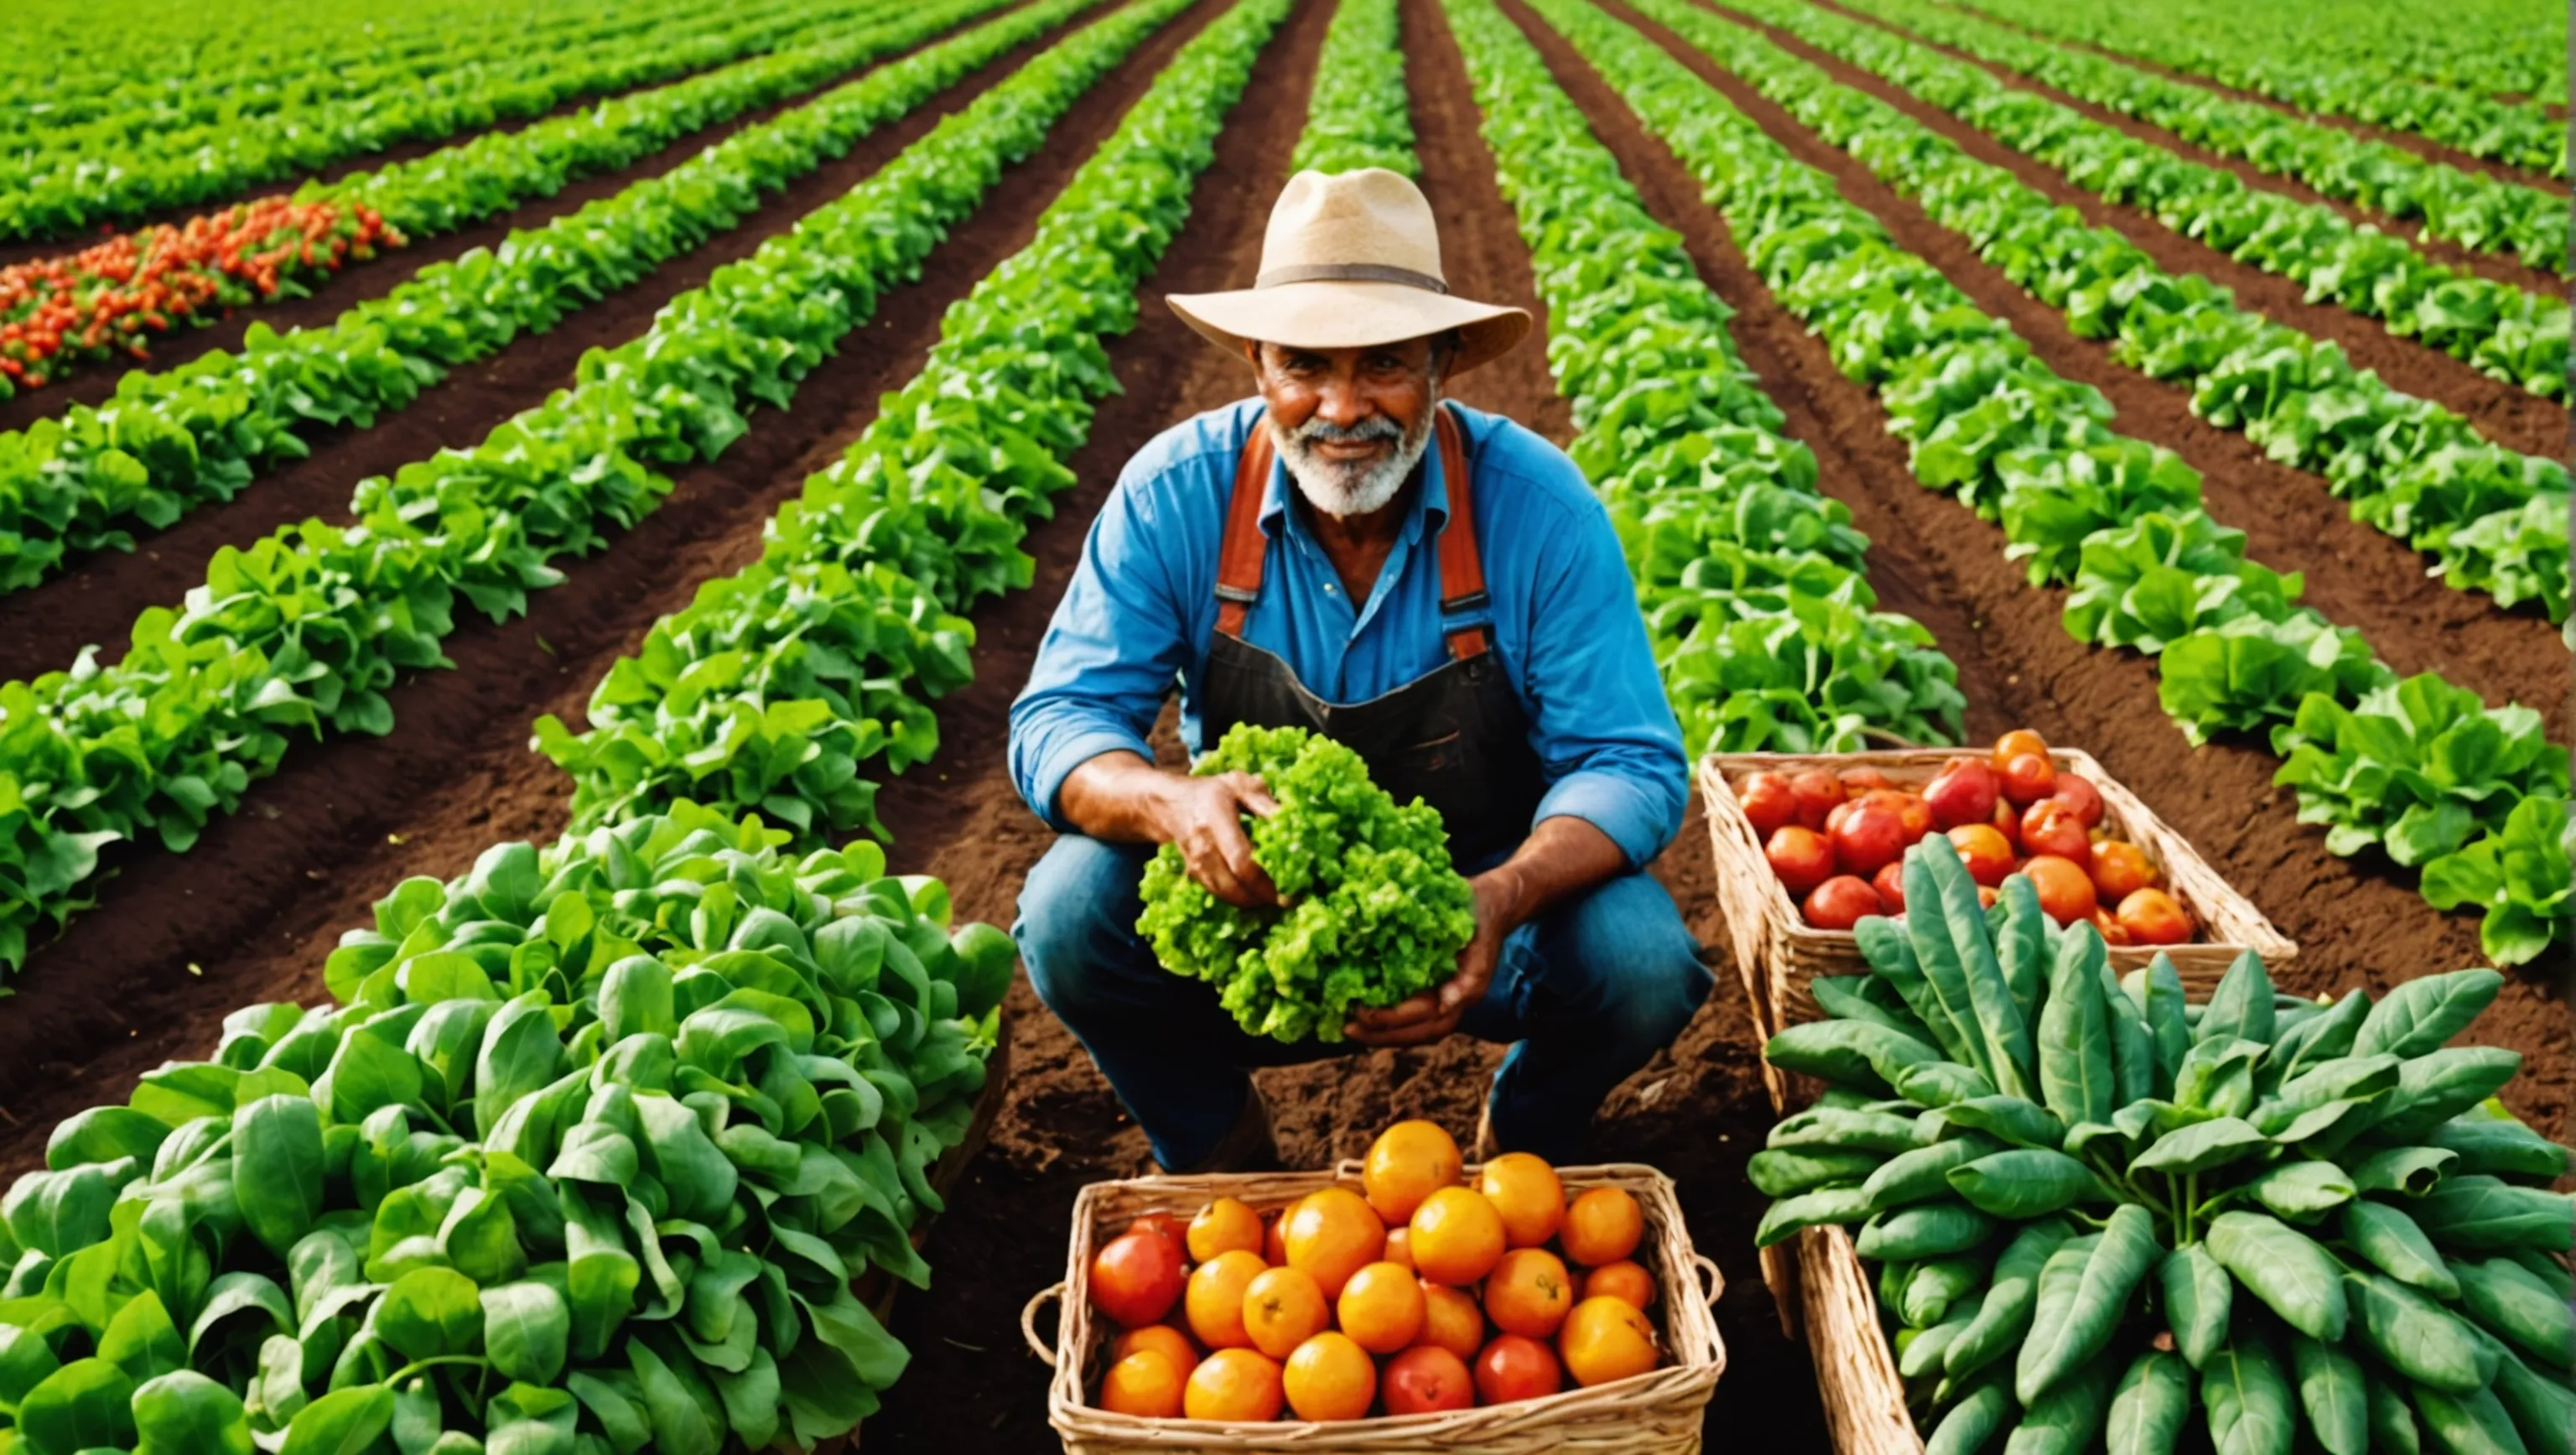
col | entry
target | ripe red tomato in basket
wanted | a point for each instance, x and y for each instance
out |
(2051, 827)
(1426, 1379)
(1514, 1367)
(1964, 793)
(1136, 1278)
(2078, 793)
(2065, 890)
(2153, 917)
(2028, 779)
(1870, 835)
(1840, 902)
(1864, 779)
(1769, 802)
(1985, 850)
(1801, 857)
(1889, 882)
(1818, 791)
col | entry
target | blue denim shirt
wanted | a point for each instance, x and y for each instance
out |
(1141, 610)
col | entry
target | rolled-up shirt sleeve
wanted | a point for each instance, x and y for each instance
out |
(1602, 727)
(1113, 651)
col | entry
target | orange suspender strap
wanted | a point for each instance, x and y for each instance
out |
(1239, 559)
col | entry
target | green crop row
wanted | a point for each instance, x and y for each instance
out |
(2495, 518)
(2116, 519)
(2514, 335)
(1751, 580)
(170, 441)
(305, 629)
(2469, 208)
(1360, 114)
(791, 686)
(2287, 65)
(84, 175)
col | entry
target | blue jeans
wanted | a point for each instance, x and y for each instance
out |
(1586, 994)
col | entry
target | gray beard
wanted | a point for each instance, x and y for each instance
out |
(1344, 490)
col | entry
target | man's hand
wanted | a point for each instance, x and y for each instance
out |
(1436, 1012)
(1203, 818)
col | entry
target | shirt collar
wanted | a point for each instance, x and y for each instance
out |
(1429, 513)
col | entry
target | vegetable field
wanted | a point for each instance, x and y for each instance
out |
(471, 463)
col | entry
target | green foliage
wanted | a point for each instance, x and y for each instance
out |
(2415, 767)
(1359, 115)
(2521, 877)
(1371, 911)
(593, 1138)
(2210, 1215)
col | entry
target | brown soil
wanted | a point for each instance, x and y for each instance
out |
(2506, 413)
(97, 599)
(2501, 267)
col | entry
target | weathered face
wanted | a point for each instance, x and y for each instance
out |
(1350, 423)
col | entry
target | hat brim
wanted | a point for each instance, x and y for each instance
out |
(1351, 315)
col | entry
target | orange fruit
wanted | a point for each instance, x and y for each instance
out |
(1282, 1308)
(1234, 1384)
(2015, 743)
(1144, 1383)
(1455, 1236)
(1528, 1293)
(1450, 1320)
(1330, 1378)
(1525, 1191)
(1514, 1368)
(1623, 1280)
(1331, 1235)
(1381, 1308)
(1605, 1339)
(1215, 1299)
(1601, 1226)
(1405, 1164)
(1274, 1237)
(1399, 1245)
(1221, 1227)
(1163, 1339)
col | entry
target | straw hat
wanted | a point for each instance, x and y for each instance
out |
(1351, 260)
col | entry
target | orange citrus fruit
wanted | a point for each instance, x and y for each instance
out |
(1528, 1293)
(1144, 1383)
(1455, 1237)
(1450, 1320)
(1282, 1308)
(1601, 1226)
(1234, 1384)
(1621, 1280)
(1605, 1339)
(1399, 1245)
(1274, 1237)
(1405, 1163)
(1525, 1191)
(1214, 1301)
(1221, 1227)
(1330, 1378)
(1381, 1307)
(1161, 1338)
(1331, 1235)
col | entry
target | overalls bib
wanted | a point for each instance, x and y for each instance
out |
(1456, 737)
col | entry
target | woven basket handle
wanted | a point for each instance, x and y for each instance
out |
(1700, 1261)
(1029, 1322)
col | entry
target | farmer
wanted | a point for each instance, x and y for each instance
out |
(1434, 587)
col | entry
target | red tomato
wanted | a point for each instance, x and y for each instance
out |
(1137, 1278)
(1840, 902)
(2007, 822)
(1889, 882)
(1963, 793)
(1769, 802)
(1987, 853)
(2065, 890)
(2121, 869)
(2015, 743)
(1426, 1379)
(1908, 807)
(1164, 1225)
(1801, 857)
(1818, 791)
(1871, 836)
(2113, 932)
(2051, 827)
(1857, 781)
(2153, 917)
(2078, 793)
(2029, 778)
(1515, 1368)
(1835, 815)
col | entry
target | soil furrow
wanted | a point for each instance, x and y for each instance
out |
(178, 940)
(2356, 921)
(2355, 575)
(2511, 416)
(96, 600)
(2500, 266)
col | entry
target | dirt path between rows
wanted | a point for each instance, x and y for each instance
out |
(2506, 413)
(2502, 267)
(2356, 575)
(97, 599)
(179, 940)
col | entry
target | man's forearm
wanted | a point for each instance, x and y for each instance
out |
(1119, 797)
(1562, 858)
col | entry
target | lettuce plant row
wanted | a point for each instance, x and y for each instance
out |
(69, 181)
(794, 685)
(1751, 580)
(2411, 468)
(2469, 208)
(305, 629)
(2512, 334)
(1359, 115)
(2115, 519)
(2282, 60)
(583, 1157)
(171, 441)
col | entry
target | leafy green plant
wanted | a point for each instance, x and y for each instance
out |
(2519, 875)
(1359, 115)
(584, 1156)
(1370, 910)
(2414, 767)
(2092, 1204)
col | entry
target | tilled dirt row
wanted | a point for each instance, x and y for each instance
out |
(96, 600)
(248, 915)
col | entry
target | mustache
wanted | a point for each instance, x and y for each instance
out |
(1319, 431)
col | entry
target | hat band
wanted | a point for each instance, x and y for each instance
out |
(1348, 273)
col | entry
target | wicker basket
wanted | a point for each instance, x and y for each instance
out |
(1856, 1376)
(1656, 1413)
(1768, 931)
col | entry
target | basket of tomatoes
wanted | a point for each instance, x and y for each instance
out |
(1809, 845)
(1405, 1302)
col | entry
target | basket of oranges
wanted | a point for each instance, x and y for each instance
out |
(1406, 1302)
